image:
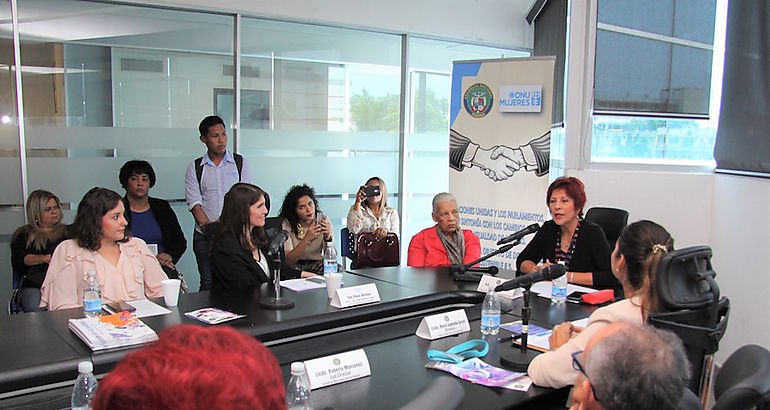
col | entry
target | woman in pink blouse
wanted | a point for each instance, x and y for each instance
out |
(125, 268)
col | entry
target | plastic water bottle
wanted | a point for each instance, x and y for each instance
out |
(92, 296)
(85, 387)
(330, 259)
(559, 288)
(490, 314)
(298, 390)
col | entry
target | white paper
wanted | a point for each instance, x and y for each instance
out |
(145, 308)
(489, 282)
(356, 295)
(540, 341)
(543, 289)
(337, 368)
(443, 324)
(153, 248)
(302, 285)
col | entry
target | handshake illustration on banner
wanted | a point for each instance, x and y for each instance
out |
(500, 162)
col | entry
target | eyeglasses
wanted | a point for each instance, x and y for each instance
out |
(579, 367)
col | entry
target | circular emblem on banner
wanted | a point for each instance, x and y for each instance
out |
(336, 361)
(478, 100)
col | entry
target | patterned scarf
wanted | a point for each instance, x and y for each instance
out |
(455, 248)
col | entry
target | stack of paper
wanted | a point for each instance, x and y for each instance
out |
(106, 332)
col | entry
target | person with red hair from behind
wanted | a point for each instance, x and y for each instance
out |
(192, 367)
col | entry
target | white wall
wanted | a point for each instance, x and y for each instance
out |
(728, 213)
(741, 244)
(496, 22)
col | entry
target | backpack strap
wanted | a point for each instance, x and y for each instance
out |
(199, 172)
(199, 168)
(238, 164)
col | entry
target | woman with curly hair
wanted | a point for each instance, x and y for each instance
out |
(309, 229)
(125, 268)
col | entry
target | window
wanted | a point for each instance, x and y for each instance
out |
(657, 83)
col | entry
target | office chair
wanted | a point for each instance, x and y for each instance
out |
(14, 306)
(347, 248)
(692, 308)
(743, 382)
(612, 221)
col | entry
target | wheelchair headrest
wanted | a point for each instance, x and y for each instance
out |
(685, 279)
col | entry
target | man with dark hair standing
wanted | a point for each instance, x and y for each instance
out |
(625, 366)
(207, 180)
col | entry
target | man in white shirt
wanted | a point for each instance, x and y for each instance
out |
(207, 180)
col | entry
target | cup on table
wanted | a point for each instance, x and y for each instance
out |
(333, 281)
(171, 291)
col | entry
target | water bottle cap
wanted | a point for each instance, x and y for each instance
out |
(297, 368)
(85, 367)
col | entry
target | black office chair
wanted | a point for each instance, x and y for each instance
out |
(347, 248)
(743, 382)
(14, 305)
(612, 221)
(692, 308)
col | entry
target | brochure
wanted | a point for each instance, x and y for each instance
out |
(477, 371)
(537, 337)
(108, 331)
(213, 315)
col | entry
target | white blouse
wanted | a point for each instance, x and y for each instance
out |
(364, 220)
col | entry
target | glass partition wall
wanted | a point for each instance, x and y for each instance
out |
(104, 83)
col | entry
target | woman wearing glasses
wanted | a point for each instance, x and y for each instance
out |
(634, 262)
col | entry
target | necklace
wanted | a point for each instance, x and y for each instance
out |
(300, 231)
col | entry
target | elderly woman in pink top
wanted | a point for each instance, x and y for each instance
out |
(125, 268)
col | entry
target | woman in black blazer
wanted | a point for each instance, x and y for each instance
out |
(238, 256)
(151, 219)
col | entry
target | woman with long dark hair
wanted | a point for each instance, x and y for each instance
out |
(634, 262)
(125, 268)
(238, 254)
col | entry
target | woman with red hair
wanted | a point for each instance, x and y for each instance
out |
(194, 367)
(569, 238)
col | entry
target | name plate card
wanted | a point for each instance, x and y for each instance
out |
(355, 295)
(337, 368)
(489, 282)
(443, 324)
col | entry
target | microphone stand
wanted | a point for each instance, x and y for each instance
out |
(460, 274)
(276, 302)
(519, 359)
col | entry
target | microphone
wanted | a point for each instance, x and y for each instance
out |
(516, 236)
(277, 241)
(492, 270)
(547, 273)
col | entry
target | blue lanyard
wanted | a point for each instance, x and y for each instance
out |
(467, 350)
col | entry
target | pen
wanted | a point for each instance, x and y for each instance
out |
(508, 338)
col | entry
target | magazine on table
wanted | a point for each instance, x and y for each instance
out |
(212, 315)
(109, 331)
(477, 371)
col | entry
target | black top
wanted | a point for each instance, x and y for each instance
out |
(592, 252)
(34, 275)
(174, 242)
(233, 267)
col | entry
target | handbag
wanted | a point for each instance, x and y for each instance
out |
(373, 252)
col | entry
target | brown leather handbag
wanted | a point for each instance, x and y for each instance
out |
(374, 253)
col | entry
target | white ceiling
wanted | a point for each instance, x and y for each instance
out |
(492, 22)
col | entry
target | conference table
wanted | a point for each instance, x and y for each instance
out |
(39, 354)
